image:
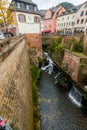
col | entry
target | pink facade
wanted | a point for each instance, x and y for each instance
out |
(50, 19)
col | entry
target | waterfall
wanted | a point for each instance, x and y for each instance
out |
(58, 77)
(48, 68)
(75, 96)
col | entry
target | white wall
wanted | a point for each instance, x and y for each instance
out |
(81, 25)
(29, 26)
(42, 26)
(65, 21)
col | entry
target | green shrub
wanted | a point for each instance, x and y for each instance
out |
(59, 41)
(53, 46)
(78, 47)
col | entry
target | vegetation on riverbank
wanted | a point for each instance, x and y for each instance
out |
(52, 45)
(35, 72)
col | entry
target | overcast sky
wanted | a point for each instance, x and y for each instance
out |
(45, 4)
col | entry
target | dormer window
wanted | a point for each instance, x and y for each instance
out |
(18, 5)
(27, 7)
(35, 8)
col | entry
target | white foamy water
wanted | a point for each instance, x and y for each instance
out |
(48, 68)
(75, 96)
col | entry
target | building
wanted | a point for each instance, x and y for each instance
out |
(81, 18)
(73, 20)
(42, 12)
(50, 18)
(27, 20)
(66, 21)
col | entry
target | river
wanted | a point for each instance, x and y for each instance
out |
(57, 110)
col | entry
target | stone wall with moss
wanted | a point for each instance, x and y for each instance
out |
(75, 65)
(85, 44)
(15, 89)
(82, 73)
(68, 53)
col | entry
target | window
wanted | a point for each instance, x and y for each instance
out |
(36, 19)
(27, 7)
(82, 21)
(86, 21)
(31, 8)
(86, 12)
(22, 18)
(62, 19)
(78, 21)
(72, 23)
(82, 12)
(18, 5)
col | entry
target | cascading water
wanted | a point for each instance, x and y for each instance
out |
(75, 96)
(56, 109)
(48, 68)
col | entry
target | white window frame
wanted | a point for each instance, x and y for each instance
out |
(18, 5)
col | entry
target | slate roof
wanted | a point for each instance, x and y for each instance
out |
(22, 9)
(27, 1)
(42, 12)
(71, 10)
(28, 11)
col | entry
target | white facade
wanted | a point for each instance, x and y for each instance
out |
(76, 21)
(81, 17)
(29, 25)
(42, 25)
(66, 22)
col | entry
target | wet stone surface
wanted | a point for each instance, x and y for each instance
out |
(56, 109)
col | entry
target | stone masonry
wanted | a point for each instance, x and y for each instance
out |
(15, 88)
(35, 41)
(76, 67)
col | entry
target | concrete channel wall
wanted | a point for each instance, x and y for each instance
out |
(15, 88)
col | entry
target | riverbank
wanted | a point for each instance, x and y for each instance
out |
(35, 72)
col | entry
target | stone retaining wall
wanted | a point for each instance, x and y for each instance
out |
(15, 88)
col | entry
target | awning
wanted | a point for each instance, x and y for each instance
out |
(46, 31)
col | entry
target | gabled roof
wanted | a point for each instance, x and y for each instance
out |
(27, 1)
(72, 10)
(42, 12)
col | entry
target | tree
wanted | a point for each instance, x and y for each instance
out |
(6, 17)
